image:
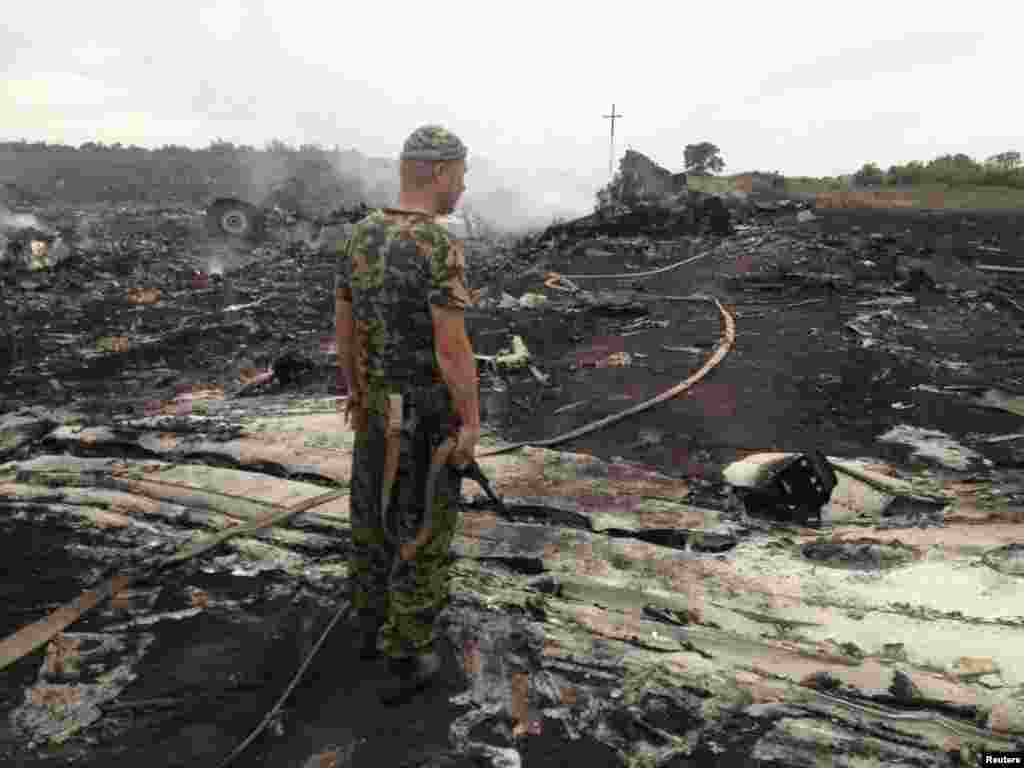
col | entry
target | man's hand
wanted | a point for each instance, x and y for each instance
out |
(353, 413)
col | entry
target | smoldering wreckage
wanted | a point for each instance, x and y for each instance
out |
(809, 556)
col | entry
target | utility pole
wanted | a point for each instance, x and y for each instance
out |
(611, 152)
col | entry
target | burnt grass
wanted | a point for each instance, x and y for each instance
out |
(796, 379)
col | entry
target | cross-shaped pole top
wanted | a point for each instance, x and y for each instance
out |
(611, 155)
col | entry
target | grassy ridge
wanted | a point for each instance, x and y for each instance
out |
(920, 195)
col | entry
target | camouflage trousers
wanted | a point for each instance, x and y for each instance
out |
(407, 602)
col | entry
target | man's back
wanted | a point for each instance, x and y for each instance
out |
(397, 264)
(402, 348)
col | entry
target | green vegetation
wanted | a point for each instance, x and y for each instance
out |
(37, 173)
(948, 181)
(927, 195)
(1003, 170)
(712, 184)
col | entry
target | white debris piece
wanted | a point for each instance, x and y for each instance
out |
(508, 301)
(532, 300)
(518, 357)
(932, 444)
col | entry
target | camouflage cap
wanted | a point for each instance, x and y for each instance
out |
(433, 142)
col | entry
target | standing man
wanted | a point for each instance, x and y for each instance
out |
(401, 296)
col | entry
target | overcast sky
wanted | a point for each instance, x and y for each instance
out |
(805, 89)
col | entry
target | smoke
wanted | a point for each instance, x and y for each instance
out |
(515, 201)
(215, 257)
(509, 201)
(10, 220)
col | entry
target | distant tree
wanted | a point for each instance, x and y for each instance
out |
(220, 146)
(869, 175)
(955, 169)
(1008, 160)
(703, 159)
(278, 147)
(958, 160)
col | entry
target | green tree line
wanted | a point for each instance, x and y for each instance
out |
(98, 172)
(1002, 170)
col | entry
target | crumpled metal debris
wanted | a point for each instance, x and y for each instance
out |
(640, 178)
(517, 357)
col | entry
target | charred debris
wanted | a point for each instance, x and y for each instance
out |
(169, 375)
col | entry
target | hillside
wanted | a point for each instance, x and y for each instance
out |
(928, 195)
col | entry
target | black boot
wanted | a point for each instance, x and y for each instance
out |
(409, 676)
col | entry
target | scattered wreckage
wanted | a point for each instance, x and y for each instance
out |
(605, 615)
(618, 614)
(646, 199)
(236, 219)
(318, 217)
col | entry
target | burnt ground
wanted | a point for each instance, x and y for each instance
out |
(798, 378)
(822, 384)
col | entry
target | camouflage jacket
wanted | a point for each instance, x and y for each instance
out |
(395, 265)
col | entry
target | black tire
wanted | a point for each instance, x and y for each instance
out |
(227, 217)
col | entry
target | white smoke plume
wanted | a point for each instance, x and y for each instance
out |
(10, 220)
(215, 258)
(508, 200)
